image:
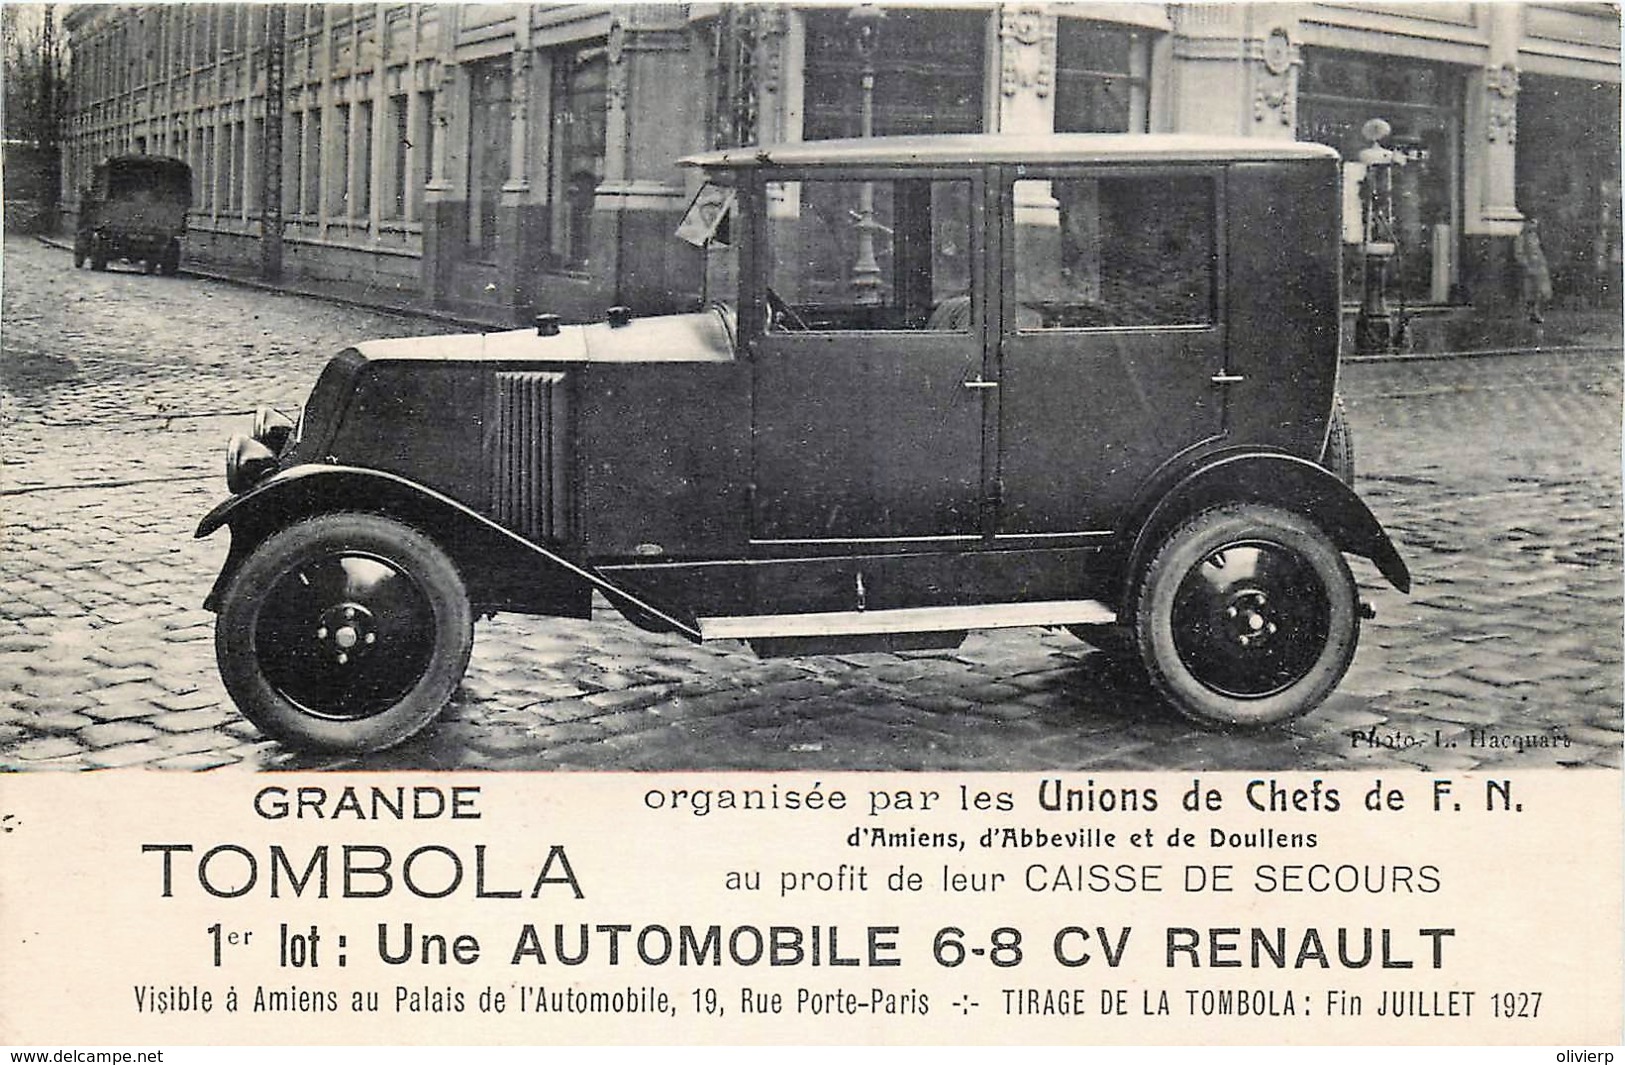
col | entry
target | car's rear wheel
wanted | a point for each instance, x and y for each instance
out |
(98, 254)
(170, 265)
(345, 633)
(1247, 616)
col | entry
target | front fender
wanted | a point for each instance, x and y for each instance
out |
(500, 567)
(1280, 480)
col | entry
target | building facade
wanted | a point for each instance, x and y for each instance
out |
(495, 159)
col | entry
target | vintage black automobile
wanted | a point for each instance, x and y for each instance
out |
(951, 383)
(134, 209)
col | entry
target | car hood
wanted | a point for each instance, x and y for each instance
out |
(704, 336)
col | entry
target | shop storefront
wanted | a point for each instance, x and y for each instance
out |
(500, 158)
(1568, 177)
(1423, 103)
(929, 68)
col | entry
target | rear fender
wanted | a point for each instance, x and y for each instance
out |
(1278, 480)
(501, 569)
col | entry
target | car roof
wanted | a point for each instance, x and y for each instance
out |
(1031, 149)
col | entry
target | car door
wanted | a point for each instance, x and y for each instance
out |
(1111, 344)
(868, 353)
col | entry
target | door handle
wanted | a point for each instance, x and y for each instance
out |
(977, 382)
(1227, 378)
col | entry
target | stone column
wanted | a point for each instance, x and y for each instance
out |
(1491, 134)
(412, 209)
(1490, 212)
(382, 121)
(441, 217)
(521, 220)
(412, 83)
(781, 50)
(1026, 104)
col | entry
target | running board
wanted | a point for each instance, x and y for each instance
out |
(913, 619)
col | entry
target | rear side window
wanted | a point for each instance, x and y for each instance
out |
(1114, 252)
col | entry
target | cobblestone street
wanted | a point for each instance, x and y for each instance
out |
(1497, 477)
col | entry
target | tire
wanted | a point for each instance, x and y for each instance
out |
(78, 255)
(1247, 616)
(171, 263)
(1338, 454)
(344, 633)
(98, 255)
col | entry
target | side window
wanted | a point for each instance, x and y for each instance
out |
(868, 255)
(1114, 252)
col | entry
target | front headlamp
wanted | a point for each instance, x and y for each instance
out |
(248, 462)
(272, 428)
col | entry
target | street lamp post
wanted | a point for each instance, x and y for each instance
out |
(1373, 326)
(866, 281)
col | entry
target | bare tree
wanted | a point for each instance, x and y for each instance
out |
(28, 74)
(31, 101)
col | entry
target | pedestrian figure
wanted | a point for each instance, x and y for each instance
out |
(1536, 276)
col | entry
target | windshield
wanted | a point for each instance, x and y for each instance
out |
(709, 218)
(708, 225)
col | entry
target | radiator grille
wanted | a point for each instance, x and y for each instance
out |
(526, 454)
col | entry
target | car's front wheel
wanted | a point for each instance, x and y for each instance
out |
(345, 633)
(1247, 615)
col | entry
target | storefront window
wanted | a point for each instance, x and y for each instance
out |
(292, 162)
(338, 190)
(1100, 78)
(1339, 92)
(399, 160)
(1568, 177)
(930, 67)
(576, 164)
(489, 134)
(311, 203)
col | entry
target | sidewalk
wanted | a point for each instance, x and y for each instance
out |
(1447, 332)
(1452, 333)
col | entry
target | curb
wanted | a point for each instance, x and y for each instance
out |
(485, 326)
(315, 294)
(1488, 353)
